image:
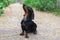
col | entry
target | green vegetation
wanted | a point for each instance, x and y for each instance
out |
(5, 3)
(56, 11)
(44, 5)
(1, 7)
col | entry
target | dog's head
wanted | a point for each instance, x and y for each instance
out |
(25, 8)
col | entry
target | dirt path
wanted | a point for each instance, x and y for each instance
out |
(48, 25)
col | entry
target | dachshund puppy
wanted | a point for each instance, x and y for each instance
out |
(27, 25)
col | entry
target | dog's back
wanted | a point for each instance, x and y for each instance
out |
(32, 27)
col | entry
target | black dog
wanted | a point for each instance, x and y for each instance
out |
(27, 24)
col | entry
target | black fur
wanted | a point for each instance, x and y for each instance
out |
(31, 28)
(28, 26)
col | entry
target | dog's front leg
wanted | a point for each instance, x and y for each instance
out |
(22, 30)
(22, 33)
(26, 36)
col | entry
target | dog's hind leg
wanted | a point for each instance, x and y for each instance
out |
(22, 31)
(35, 29)
(35, 32)
(26, 36)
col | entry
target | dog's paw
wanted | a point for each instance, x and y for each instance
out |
(22, 34)
(26, 36)
(35, 32)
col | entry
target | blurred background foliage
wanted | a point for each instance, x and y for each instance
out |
(43, 5)
(5, 3)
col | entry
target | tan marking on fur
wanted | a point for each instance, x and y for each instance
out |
(26, 12)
